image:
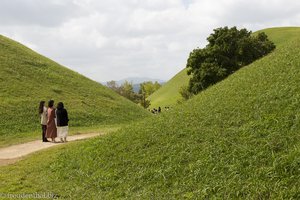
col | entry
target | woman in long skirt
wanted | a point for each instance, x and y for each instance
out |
(51, 126)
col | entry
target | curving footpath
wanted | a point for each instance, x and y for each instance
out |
(14, 153)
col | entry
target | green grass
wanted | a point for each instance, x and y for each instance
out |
(26, 78)
(168, 94)
(280, 35)
(239, 139)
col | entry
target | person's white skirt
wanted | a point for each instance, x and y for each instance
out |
(62, 131)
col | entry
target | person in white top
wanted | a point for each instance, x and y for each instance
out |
(44, 119)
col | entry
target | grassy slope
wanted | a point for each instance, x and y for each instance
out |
(168, 94)
(27, 77)
(238, 139)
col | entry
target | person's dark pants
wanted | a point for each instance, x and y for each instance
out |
(44, 128)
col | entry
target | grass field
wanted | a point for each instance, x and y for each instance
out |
(239, 139)
(26, 78)
(168, 94)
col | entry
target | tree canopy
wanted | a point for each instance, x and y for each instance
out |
(126, 90)
(228, 50)
(149, 88)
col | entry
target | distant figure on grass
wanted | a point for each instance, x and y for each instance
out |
(159, 109)
(154, 111)
(62, 122)
(44, 119)
(51, 126)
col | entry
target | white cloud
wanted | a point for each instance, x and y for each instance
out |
(36, 12)
(115, 39)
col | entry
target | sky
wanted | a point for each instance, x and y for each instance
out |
(115, 39)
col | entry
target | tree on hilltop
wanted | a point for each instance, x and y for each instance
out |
(228, 50)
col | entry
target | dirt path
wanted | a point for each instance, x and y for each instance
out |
(12, 154)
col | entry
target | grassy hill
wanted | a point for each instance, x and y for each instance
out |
(26, 78)
(168, 94)
(239, 139)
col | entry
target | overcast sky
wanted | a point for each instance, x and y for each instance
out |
(114, 39)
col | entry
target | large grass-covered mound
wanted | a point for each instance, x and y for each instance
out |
(26, 78)
(239, 139)
(168, 94)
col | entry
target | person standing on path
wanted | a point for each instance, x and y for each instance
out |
(51, 126)
(62, 122)
(44, 119)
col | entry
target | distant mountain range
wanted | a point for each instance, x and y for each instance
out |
(136, 81)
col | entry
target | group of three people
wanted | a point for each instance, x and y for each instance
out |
(54, 121)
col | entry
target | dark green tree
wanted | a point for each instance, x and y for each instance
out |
(228, 50)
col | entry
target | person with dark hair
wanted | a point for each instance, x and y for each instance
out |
(51, 126)
(62, 122)
(44, 118)
(159, 109)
